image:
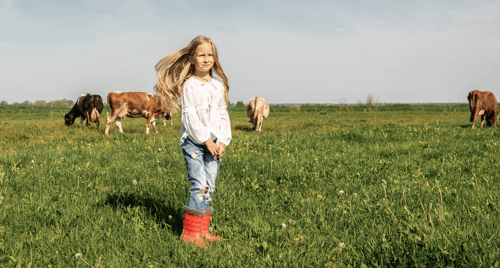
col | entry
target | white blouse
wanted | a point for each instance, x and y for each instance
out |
(204, 112)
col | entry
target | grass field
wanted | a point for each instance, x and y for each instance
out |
(321, 186)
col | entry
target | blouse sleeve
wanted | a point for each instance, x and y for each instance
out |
(194, 128)
(224, 118)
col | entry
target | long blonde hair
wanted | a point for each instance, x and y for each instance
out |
(173, 70)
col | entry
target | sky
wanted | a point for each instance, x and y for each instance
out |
(283, 51)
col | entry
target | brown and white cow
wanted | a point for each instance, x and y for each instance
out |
(132, 104)
(484, 104)
(257, 110)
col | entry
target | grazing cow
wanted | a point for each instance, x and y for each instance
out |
(86, 107)
(132, 104)
(257, 110)
(484, 104)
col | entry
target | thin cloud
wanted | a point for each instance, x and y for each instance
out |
(289, 53)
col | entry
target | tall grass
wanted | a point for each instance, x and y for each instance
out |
(317, 188)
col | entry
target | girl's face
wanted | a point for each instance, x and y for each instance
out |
(203, 59)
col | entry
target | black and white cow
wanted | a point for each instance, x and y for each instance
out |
(86, 107)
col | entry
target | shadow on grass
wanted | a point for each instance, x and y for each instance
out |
(244, 128)
(157, 209)
(465, 126)
(478, 127)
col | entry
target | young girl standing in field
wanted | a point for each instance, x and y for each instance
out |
(186, 77)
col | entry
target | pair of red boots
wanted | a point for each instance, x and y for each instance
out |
(196, 229)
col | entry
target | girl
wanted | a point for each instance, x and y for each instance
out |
(187, 76)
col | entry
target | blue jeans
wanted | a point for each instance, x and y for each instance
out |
(202, 169)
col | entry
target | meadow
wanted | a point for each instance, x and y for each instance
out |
(321, 186)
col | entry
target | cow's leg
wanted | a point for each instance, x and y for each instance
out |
(119, 124)
(89, 121)
(108, 124)
(252, 120)
(482, 120)
(109, 121)
(151, 120)
(474, 121)
(259, 123)
(154, 124)
(480, 113)
(164, 121)
(81, 121)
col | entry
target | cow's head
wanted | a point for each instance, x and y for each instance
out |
(167, 115)
(472, 104)
(68, 119)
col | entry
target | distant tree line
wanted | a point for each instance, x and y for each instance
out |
(39, 103)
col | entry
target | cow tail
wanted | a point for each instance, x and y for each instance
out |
(107, 108)
(474, 98)
(255, 109)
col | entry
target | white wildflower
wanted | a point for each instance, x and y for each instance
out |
(134, 182)
(342, 245)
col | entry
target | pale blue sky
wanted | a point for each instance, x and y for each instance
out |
(283, 51)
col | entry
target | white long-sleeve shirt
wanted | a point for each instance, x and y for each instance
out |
(204, 112)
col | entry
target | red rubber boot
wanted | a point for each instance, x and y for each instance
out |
(204, 229)
(192, 230)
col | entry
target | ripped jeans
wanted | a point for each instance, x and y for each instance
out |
(202, 169)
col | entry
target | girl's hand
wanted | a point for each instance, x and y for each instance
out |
(222, 149)
(212, 148)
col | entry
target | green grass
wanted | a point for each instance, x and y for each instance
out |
(420, 189)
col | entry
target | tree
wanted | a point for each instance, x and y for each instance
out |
(27, 103)
(40, 103)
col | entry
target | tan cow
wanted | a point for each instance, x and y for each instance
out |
(484, 104)
(132, 104)
(257, 110)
